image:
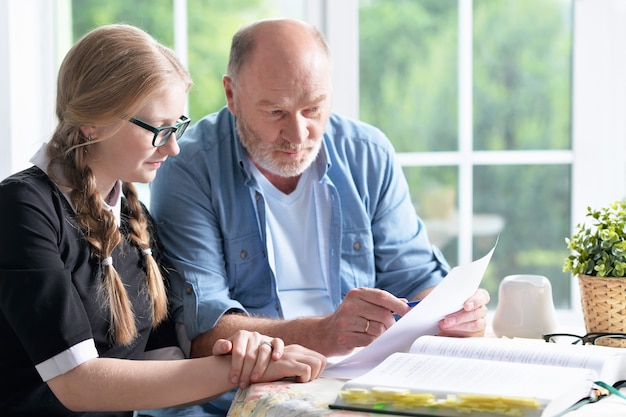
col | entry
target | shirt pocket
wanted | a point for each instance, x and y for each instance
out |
(250, 279)
(357, 259)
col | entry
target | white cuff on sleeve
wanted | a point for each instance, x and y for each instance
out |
(67, 360)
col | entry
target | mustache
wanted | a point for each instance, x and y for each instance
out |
(291, 147)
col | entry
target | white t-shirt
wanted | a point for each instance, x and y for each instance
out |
(297, 243)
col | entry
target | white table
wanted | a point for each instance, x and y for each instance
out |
(289, 399)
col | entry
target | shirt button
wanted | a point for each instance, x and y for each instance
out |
(257, 196)
(357, 246)
(189, 290)
(243, 254)
(276, 307)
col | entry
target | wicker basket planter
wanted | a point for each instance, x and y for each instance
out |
(604, 305)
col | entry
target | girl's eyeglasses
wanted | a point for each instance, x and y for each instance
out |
(162, 134)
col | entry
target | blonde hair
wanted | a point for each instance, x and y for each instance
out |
(107, 75)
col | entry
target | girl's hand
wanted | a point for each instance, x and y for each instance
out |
(251, 352)
(298, 362)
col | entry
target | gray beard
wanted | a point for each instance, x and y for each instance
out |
(262, 155)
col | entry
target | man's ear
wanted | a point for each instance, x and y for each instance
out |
(227, 82)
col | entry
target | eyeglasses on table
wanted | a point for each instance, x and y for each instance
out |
(593, 338)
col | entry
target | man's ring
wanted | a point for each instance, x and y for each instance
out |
(367, 326)
(265, 342)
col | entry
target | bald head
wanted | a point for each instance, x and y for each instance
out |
(275, 42)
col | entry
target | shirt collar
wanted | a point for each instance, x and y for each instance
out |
(114, 201)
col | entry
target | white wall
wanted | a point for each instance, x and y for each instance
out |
(27, 79)
(599, 104)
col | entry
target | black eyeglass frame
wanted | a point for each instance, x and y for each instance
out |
(589, 338)
(179, 128)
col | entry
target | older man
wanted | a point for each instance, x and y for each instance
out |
(284, 218)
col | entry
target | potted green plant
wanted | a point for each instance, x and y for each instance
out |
(598, 259)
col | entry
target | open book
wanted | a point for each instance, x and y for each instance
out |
(484, 377)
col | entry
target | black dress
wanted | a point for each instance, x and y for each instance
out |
(49, 292)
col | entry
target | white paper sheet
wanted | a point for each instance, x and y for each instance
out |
(446, 298)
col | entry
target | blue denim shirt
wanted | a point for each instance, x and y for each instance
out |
(211, 218)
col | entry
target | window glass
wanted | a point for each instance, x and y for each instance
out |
(522, 83)
(533, 203)
(408, 71)
(154, 16)
(434, 193)
(521, 100)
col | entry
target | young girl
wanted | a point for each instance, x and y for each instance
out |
(81, 287)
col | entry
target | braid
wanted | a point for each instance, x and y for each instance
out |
(97, 224)
(103, 236)
(121, 314)
(140, 235)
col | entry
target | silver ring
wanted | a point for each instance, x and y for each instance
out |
(367, 326)
(265, 342)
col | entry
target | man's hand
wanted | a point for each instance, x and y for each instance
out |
(363, 315)
(251, 353)
(470, 320)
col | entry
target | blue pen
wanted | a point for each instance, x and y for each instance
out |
(410, 304)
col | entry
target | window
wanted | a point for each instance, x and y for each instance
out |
(477, 102)
(507, 116)
(493, 110)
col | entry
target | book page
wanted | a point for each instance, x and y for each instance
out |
(557, 386)
(608, 363)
